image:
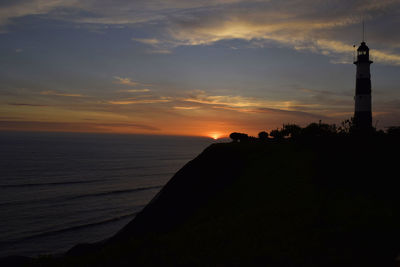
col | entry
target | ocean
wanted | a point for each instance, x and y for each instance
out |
(61, 189)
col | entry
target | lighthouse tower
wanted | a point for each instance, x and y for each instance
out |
(362, 110)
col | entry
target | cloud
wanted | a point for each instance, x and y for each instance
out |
(140, 101)
(138, 12)
(129, 125)
(324, 92)
(325, 27)
(185, 108)
(27, 104)
(236, 101)
(291, 112)
(100, 11)
(125, 81)
(147, 41)
(159, 51)
(15, 9)
(296, 24)
(73, 126)
(135, 90)
(257, 105)
(157, 46)
(60, 94)
(386, 57)
(209, 103)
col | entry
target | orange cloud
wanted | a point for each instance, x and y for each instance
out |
(135, 90)
(185, 108)
(60, 94)
(140, 101)
(125, 81)
(76, 126)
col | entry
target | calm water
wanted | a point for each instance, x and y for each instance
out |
(60, 189)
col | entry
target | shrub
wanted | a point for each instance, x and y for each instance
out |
(292, 130)
(263, 136)
(277, 134)
(239, 137)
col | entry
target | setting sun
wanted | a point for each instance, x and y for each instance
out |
(214, 135)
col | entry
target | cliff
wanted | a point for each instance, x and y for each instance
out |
(331, 202)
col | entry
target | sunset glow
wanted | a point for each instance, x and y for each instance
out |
(212, 68)
(215, 135)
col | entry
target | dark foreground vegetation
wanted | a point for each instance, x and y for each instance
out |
(317, 196)
(316, 131)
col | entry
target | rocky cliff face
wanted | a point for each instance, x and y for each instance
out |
(191, 188)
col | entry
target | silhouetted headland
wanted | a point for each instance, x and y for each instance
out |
(313, 196)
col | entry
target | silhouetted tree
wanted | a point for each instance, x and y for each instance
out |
(277, 134)
(239, 137)
(393, 131)
(263, 136)
(319, 130)
(234, 137)
(324, 130)
(243, 137)
(291, 130)
(251, 139)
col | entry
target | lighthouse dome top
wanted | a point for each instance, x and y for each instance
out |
(363, 47)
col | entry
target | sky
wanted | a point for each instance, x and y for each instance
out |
(200, 68)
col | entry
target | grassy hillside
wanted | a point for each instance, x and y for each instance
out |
(330, 202)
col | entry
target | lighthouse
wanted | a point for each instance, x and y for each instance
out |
(362, 107)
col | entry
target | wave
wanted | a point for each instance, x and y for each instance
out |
(157, 174)
(47, 184)
(176, 158)
(68, 229)
(75, 182)
(97, 194)
(115, 192)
